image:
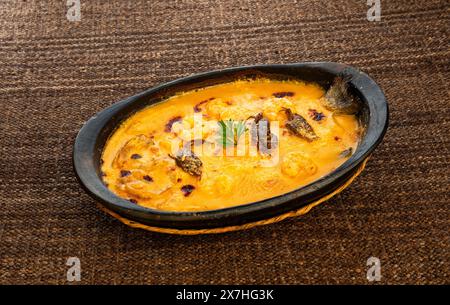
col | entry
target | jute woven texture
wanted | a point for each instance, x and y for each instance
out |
(55, 74)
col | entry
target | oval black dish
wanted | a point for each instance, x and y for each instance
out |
(94, 134)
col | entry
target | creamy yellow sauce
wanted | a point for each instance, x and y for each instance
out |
(138, 160)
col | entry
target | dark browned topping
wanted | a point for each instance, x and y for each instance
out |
(261, 135)
(195, 142)
(133, 201)
(299, 126)
(315, 115)
(188, 162)
(257, 117)
(187, 189)
(124, 173)
(136, 156)
(197, 107)
(148, 178)
(102, 174)
(339, 99)
(346, 153)
(337, 138)
(283, 94)
(169, 124)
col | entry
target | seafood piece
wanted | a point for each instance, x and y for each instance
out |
(136, 151)
(188, 162)
(138, 161)
(138, 183)
(261, 134)
(220, 184)
(299, 126)
(296, 163)
(339, 100)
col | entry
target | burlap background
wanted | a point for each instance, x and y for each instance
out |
(55, 74)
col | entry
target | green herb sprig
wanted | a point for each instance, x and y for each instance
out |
(230, 131)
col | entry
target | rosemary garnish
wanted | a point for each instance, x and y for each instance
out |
(230, 131)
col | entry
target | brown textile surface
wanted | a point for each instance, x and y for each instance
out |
(55, 74)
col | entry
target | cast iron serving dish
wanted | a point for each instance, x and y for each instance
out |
(93, 135)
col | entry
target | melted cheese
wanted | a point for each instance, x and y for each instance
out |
(137, 166)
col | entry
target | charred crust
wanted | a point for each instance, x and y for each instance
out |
(169, 124)
(188, 162)
(187, 189)
(283, 94)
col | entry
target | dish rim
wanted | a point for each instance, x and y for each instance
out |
(85, 147)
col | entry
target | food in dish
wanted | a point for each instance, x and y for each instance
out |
(231, 144)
